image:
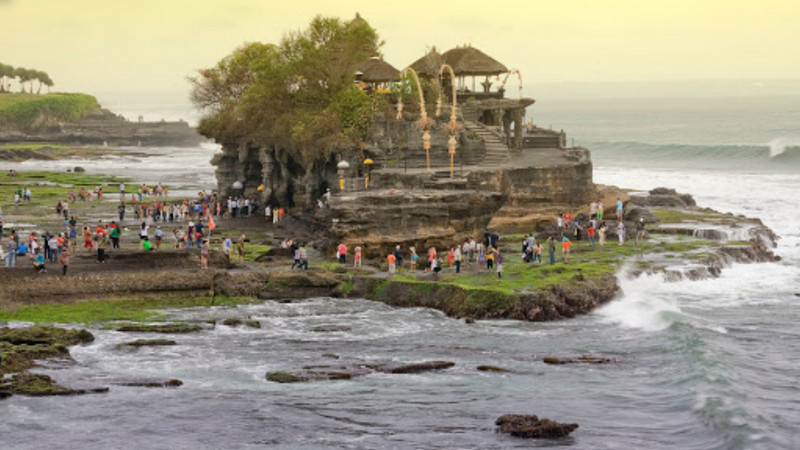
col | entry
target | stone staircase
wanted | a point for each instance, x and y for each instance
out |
(496, 150)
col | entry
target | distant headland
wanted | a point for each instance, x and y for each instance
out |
(78, 119)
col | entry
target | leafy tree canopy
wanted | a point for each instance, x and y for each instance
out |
(298, 94)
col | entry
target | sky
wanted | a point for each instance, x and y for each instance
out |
(135, 48)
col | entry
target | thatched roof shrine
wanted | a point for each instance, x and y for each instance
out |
(376, 70)
(469, 61)
(429, 65)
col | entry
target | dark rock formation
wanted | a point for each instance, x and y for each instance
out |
(233, 321)
(151, 384)
(346, 372)
(550, 303)
(530, 426)
(425, 366)
(147, 343)
(580, 359)
(169, 328)
(380, 219)
(331, 328)
(491, 369)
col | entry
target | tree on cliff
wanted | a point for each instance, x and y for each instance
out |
(297, 98)
(6, 74)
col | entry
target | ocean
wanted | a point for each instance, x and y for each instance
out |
(709, 364)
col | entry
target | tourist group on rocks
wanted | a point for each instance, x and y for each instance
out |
(487, 253)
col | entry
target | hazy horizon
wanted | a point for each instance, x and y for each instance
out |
(578, 49)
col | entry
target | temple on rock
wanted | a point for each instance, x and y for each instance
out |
(449, 153)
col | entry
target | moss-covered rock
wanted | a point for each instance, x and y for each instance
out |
(37, 385)
(152, 384)
(169, 328)
(485, 368)
(147, 343)
(20, 348)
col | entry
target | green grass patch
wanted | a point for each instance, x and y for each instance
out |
(135, 310)
(48, 188)
(585, 264)
(23, 110)
(32, 146)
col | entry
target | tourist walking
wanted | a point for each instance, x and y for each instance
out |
(303, 257)
(398, 255)
(537, 252)
(565, 246)
(342, 252)
(11, 252)
(640, 232)
(204, 254)
(101, 244)
(390, 258)
(159, 235)
(414, 258)
(115, 233)
(357, 256)
(619, 209)
(87, 238)
(551, 249)
(143, 234)
(499, 261)
(63, 259)
(457, 259)
(240, 247)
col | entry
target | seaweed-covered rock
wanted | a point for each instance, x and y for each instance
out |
(233, 321)
(530, 426)
(169, 328)
(580, 359)
(44, 335)
(485, 368)
(346, 372)
(147, 343)
(21, 347)
(37, 385)
(331, 328)
(252, 323)
(419, 367)
(148, 383)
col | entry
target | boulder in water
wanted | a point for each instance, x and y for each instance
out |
(529, 426)
(145, 383)
(492, 369)
(147, 343)
(581, 359)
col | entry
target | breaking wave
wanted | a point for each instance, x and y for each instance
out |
(778, 154)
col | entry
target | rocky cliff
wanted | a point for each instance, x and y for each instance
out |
(103, 126)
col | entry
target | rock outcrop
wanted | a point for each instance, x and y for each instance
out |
(104, 126)
(346, 372)
(380, 219)
(530, 426)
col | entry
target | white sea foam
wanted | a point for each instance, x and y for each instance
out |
(778, 145)
(645, 304)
